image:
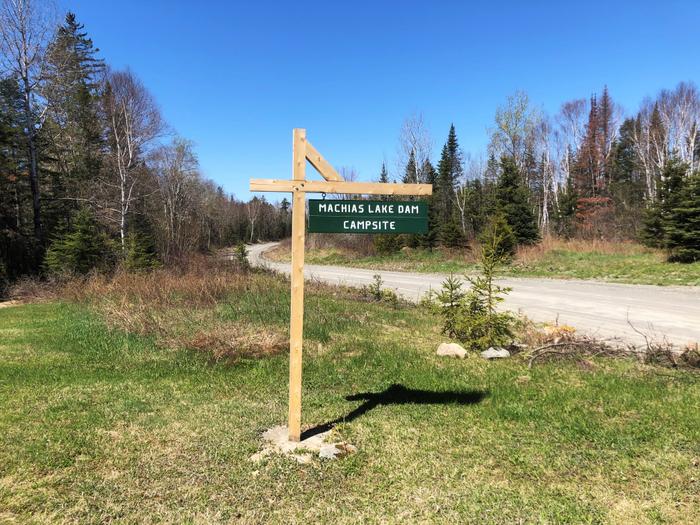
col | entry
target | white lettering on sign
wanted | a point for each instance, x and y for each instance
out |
(338, 207)
(380, 209)
(373, 208)
(369, 225)
(409, 209)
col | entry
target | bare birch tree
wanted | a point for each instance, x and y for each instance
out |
(679, 110)
(134, 123)
(25, 30)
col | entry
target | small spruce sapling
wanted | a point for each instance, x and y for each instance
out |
(240, 257)
(472, 317)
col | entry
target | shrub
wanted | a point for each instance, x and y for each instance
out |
(377, 292)
(387, 243)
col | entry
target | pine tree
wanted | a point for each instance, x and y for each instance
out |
(512, 202)
(655, 232)
(565, 211)
(18, 248)
(682, 224)
(626, 184)
(449, 173)
(451, 235)
(498, 228)
(384, 174)
(411, 173)
(384, 179)
(83, 247)
(72, 82)
(491, 174)
(141, 251)
(429, 240)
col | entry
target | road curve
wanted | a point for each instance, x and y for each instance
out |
(596, 308)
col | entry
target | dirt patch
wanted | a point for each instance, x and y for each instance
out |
(276, 441)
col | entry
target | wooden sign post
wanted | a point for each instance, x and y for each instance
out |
(395, 217)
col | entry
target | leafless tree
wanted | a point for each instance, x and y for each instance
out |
(134, 123)
(680, 113)
(177, 170)
(667, 126)
(253, 208)
(544, 135)
(649, 139)
(414, 137)
(25, 30)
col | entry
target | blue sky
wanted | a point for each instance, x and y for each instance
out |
(236, 77)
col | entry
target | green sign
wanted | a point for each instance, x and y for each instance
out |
(346, 216)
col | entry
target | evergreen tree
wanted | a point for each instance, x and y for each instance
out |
(141, 251)
(83, 247)
(429, 240)
(386, 243)
(512, 200)
(411, 173)
(73, 129)
(626, 184)
(498, 228)
(682, 224)
(18, 248)
(491, 174)
(479, 206)
(654, 231)
(565, 211)
(384, 174)
(449, 173)
(451, 234)
(384, 179)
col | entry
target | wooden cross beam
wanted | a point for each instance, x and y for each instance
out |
(333, 183)
(341, 186)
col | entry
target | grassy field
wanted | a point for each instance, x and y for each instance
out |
(157, 426)
(614, 262)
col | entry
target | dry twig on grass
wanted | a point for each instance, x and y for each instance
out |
(585, 347)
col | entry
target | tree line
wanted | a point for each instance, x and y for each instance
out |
(588, 172)
(90, 173)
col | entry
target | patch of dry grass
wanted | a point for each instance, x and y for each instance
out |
(535, 253)
(178, 305)
(230, 342)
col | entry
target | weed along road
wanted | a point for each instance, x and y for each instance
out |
(596, 308)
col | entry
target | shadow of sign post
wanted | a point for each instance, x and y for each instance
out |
(400, 395)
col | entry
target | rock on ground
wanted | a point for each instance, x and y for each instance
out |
(451, 350)
(495, 353)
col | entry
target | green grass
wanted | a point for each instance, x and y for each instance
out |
(633, 267)
(97, 425)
